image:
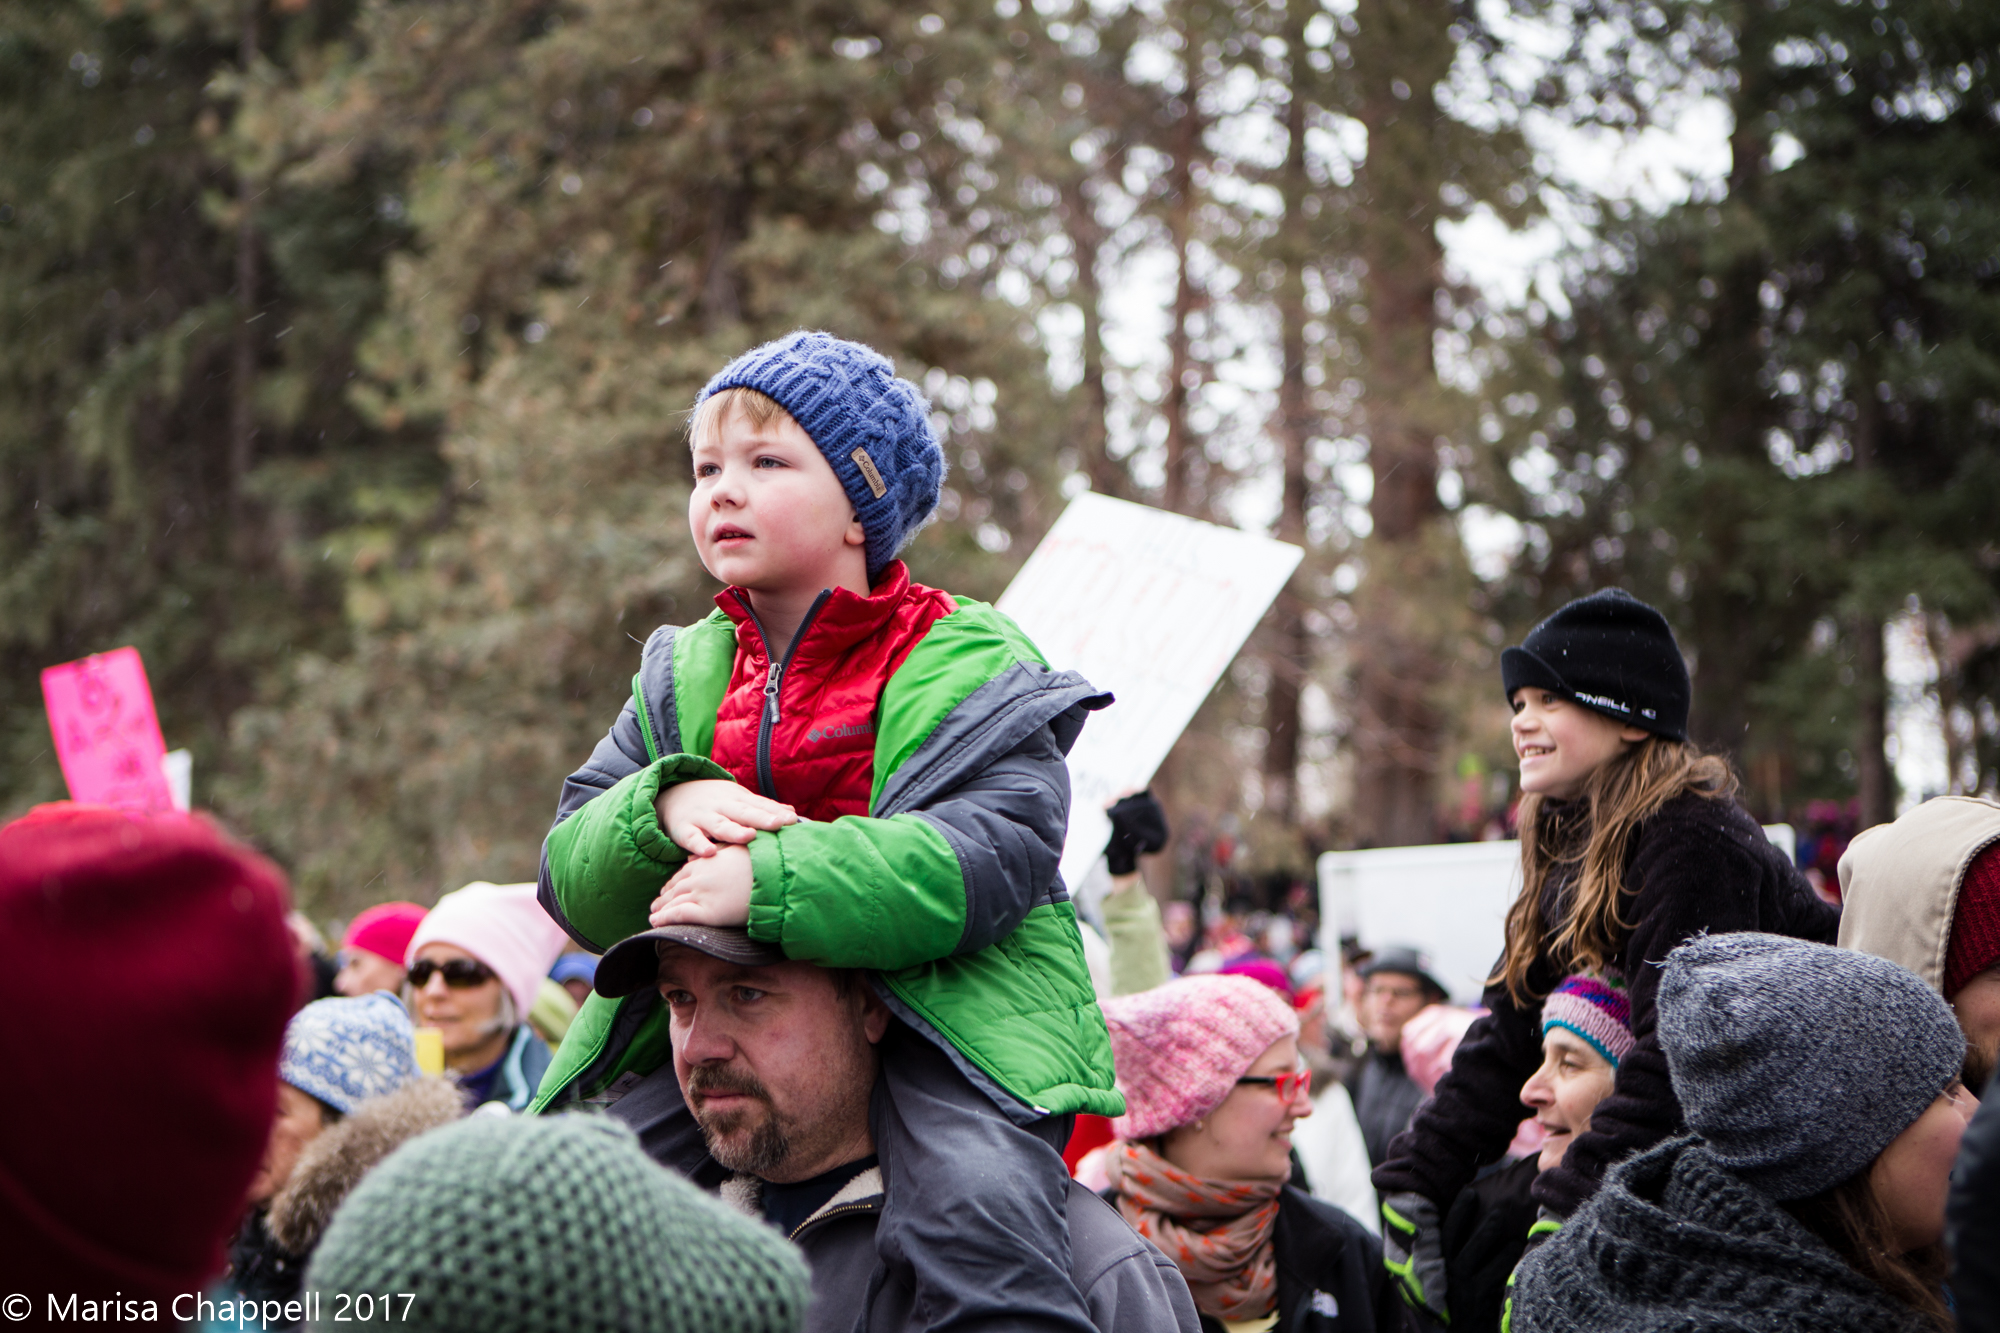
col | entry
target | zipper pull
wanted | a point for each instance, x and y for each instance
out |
(771, 683)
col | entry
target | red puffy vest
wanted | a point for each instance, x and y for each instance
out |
(804, 731)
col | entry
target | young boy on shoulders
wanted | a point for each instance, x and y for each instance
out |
(867, 773)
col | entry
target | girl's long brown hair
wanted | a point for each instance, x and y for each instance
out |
(1851, 1219)
(1592, 834)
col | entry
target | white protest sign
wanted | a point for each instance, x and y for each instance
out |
(1152, 607)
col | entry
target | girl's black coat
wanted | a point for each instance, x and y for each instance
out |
(1697, 865)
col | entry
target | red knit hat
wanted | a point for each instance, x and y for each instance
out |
(1975, 924)
(385, 929)
(146, 965)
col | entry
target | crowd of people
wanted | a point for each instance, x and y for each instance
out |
(799, 1028)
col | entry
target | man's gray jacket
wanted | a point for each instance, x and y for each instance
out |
(1128, 1286)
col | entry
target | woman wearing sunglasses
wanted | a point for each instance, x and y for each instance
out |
(1213, 1085)
(475, 965)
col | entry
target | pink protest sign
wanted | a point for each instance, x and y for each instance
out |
(107, 734)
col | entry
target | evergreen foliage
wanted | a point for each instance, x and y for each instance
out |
(347, 348)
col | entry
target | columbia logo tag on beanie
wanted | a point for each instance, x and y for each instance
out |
(868, 472)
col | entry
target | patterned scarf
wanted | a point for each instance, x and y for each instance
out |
(1218, 1231)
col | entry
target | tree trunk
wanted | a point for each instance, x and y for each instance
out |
(1290, 655)
(1728, 630)
(1178, 492)
(1086, 237)
(1398, 731)
(1875, 784)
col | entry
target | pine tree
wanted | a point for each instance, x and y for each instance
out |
(610, 201)
(132, 367)
(1770, 410)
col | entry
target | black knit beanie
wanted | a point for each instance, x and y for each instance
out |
(1609, 652)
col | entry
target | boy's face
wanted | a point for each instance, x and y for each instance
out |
(767, 512)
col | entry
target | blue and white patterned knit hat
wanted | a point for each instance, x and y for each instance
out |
(874, 429)
(345, 1051)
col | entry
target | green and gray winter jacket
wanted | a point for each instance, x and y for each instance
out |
(947, 890)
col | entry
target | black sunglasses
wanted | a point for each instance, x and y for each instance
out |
(459, 973)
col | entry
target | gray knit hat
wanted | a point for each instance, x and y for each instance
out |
(1799, 1062)
(502, 1224)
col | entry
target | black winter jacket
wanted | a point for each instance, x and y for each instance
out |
(1674, 1243)
(1697, 865)
(1973, 1219)
(262, 1270)
(1385, 1097)
(1485, 1234)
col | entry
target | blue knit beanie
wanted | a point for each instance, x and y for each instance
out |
(874, 429)
(345, 1051)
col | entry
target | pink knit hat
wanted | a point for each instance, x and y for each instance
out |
(1430, 1040)
(384, 930)
(503, 927)
(1179, 1048)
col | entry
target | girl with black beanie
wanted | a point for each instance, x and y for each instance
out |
(1632, 841)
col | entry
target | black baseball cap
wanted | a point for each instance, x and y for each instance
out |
(1400, 959)
(633, 964)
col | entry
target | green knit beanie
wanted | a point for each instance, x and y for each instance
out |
(516, 1225)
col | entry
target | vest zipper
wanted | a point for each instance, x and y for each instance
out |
(774, 679)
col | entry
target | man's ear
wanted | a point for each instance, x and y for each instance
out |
(874, 1014)
(855, 534)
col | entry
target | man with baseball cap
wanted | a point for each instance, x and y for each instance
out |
(778, 1061)
(1396, 986)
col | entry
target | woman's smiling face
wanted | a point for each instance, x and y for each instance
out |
(1248, 1136)
(1573, 1079)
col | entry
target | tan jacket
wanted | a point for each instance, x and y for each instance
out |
(1899, 882)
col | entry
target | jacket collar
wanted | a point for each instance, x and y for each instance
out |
(843, 619)
(863, 1194)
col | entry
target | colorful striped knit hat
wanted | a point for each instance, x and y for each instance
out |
(1595, 1008)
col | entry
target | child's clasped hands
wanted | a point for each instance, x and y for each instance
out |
(713, 821)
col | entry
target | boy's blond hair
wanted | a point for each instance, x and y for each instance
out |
(761, 409)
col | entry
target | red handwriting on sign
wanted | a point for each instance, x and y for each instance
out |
(107, 734)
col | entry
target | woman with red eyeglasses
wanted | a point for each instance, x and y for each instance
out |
(475, 965)
(1213, 1084)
